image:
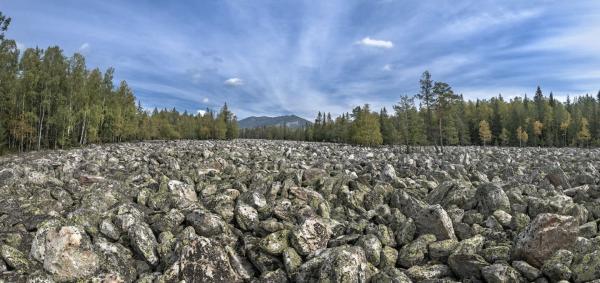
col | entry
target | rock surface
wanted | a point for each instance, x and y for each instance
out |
(276, 211)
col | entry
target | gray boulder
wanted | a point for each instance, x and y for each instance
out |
(546, 234)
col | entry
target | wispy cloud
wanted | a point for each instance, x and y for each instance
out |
(84, 48)
(234, 82)
(306, 56)
(367, 41)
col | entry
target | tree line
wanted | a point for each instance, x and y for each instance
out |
(52, 101)
(443, 117)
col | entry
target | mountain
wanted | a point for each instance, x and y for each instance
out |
(291, 121)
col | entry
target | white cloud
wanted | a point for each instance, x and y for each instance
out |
(387, 67)
(84, 48)
(367, 41)
(205, 100)
(234, 82)
(201, 112)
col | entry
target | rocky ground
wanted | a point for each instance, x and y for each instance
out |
(262, 211)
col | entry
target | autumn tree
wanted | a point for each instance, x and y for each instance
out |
(485, 134)
(584, 136)
(522, 136)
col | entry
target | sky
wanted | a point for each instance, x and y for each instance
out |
(284, 57)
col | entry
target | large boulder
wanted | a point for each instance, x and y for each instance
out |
(490, 198)
(144, 242)
(434, 220)
(587, 267)
(311, 236)
(203, 260)
(14, 258)
(339, 264)
(345, 264)
(546, 234)
(66, 252)
(205, 223)
(558, 178)
(183, 195)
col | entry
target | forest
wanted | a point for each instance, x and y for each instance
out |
(443, 117)
(50, 101)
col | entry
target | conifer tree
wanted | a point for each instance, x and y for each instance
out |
(388, 131)
(427, 97)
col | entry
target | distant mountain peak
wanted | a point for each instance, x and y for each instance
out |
(290, 121)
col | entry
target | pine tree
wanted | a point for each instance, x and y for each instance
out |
(427, 97)
(444, 101)
(485, 134)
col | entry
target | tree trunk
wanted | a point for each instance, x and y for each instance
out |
(441, 136)
(39, 142)
(82, 130)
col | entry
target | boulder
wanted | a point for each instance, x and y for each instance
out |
(490, 197)
(500, 273)
(345, 264)
(558, 178)
(434, 220)
(203, 260)
(67, 253)
(546, 234)
(587, 267)
(312, 235)
(143, 242)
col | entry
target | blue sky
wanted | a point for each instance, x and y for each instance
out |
(283, 57)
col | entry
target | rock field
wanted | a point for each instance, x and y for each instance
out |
(272, 211)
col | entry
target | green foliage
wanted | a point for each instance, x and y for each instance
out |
(389, 133)
(485, 134)
(53, 101)
(365, 128)
(445, 118)
(4, 22)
